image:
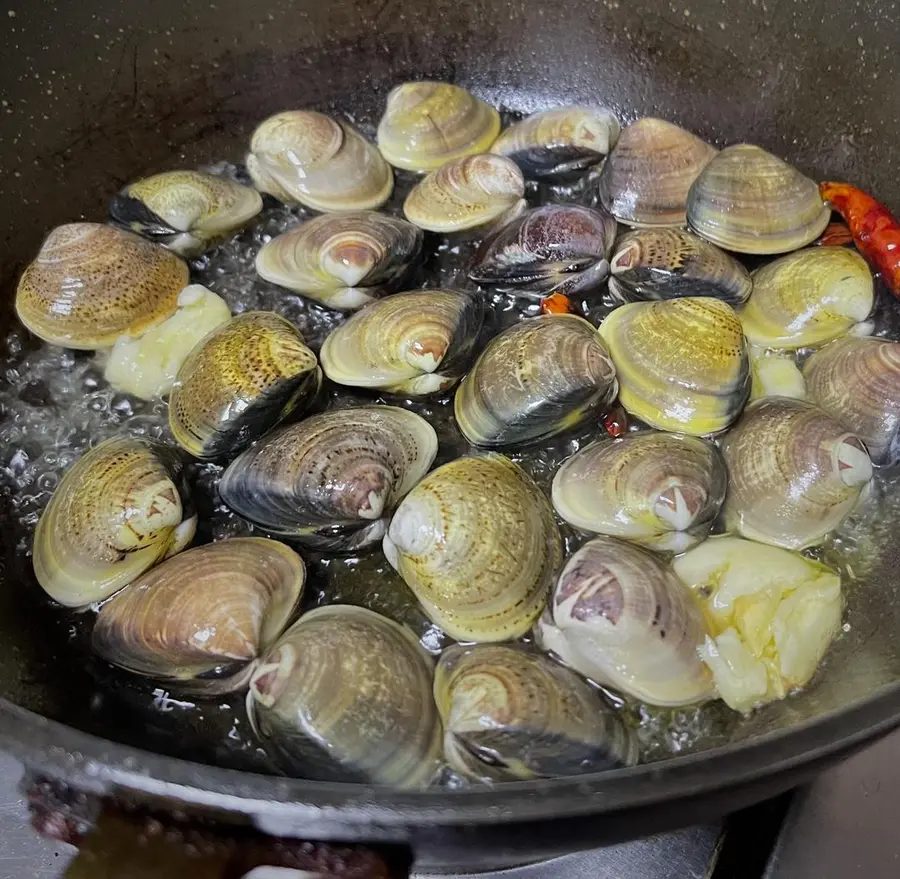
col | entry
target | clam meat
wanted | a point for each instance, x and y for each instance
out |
(667, 263)
(645, 180)
(750, 201)
(809, 297)
(559, 145)
(536, 379)
(239, 382)
(477, 543)
(551, 249)
(467, 194)
(658, 489)
(620, 616)
(187, 211)
(771, 615)
(411, 344)
(682, 364)
(511, 713)
(91, 284)
(343, 261)
(304, 157)
(426, 124)
(857, 382)
(123, 507)
(202, 619)
(345, 695)
(794, 473)
(331, 479)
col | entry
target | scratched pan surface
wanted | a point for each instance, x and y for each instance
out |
(96, 93)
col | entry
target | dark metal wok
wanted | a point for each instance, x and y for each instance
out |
(95, 94)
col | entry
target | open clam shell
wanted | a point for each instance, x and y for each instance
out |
(794, 473)
(536, 379)
(239, 382)
(308, 157)
(645, 180)
(123, 507)
(426, 124)
(345, 695)
(203, 618)
(750, 201)
(477, 543)
(91, 284)
(410, 343)
(510, 713)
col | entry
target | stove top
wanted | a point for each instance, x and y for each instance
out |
(843, 826)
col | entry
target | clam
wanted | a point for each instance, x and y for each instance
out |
(682, 364)
(620, 616)
(510, 713)
(751, 201)
(310, 158)
(794, 473)
(203, 618)
(330, 479)
(90, 284)
(559, 144)
(477, 543)
(119, 510)
(239, 382)
(553, 248)
(146, 366)
(426, 124)
(411, 343)
(466, 194)
(645, 180)
(668, 263)
(808, 298)
(857, 382)
(345, 695)
(771, 615)
(343, 261)
(187, 211)
(657, 489)
(537, 378)
(775, 374)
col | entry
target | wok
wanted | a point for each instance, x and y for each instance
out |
(95, 94)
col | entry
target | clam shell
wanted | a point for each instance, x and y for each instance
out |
(857, 382)
(90, 284)
(119, 510)
(794, 473)
(426, 124)
(657, 489)
(344, 469)
(411, 343)
(185, 210)
(646, 178)
(203, 617)
(620, 616)
(510, 713)
(669, 263)
(808, 298)
(477, 543)
(536, 379)
(307, 157)
(345, 695)
(343, 261)
(682, 364)
(559, 144)
(467, 194)
(751, 201)
(553, 248)
(239, 382)
(775, 374)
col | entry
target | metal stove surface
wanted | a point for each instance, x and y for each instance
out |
(841, 827)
